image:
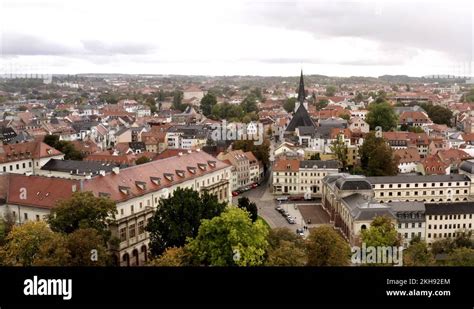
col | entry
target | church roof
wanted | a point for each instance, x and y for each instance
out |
(300, 119)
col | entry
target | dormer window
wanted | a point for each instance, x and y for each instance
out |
(169, 176)
(141, 185)
(212, 163)
(103, 194)
(192, 169)
(156, 180)
(180, 173)
(202, 166)
(124, 190)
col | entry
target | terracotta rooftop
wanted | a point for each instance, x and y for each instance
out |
(33, 150)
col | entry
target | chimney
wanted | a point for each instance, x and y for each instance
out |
(116, 170)
(180, 154)
(102, 173)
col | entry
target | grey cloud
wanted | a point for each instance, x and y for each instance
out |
(103, 48)
(28, 45)
(442, 27)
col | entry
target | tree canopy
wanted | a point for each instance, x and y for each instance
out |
(179, 217)
(382, 115)
(325, 247)
(207, 103)
(285, 248)
(376, 157)
(245, 204)
(231, 239)
(382, 233)
(83, 210)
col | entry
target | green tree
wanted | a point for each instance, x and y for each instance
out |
(289, 105)
(339, 148)
(207, 103)
(418, 254)
(172, 256)
(80, 244)
(331, 91)
(142, 160)
(285, 248)
(461, 257)
(178, 101)
(376, 157)
(230, 239)
(359, 97)
(345, 117)
(51, 140)
(83, 210)
(381, 233)
(179, 217)
(245, 204)
(320, 104)
(249, 104)
(33, 243)
(382, 115)
(438, 114)
(325, 247)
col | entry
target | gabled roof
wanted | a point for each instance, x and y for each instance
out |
(21, 151)
(301, 118)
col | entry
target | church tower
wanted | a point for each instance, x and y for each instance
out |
(301, 94)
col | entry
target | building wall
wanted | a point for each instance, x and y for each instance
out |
(446, 226)
(429, 192)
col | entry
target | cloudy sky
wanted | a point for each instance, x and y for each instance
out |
(237, 37)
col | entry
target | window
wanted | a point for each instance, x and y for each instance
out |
(25, 215)
(24, 165)
(429, 227)
(413, 225)
(131, 230)
(17, 166)
(419, 224)
(131, 209)
(123, 234)
(4, 168)
(121, 211)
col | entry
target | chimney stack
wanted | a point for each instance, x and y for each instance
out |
(116, 170)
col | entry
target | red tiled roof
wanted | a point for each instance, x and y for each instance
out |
(42, 192)
(284, 165)
(34, 149)
(407, 155)
(158, 168)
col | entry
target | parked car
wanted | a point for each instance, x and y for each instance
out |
(235, 193)
(278, 208)
(254, 185)
(300, 232)
(282, 198)
(290, 220)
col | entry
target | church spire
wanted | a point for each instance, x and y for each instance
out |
(301, 92)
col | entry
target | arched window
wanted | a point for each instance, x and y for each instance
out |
(363, 227)
(126, 259)
(135, 257)
(144, 252)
